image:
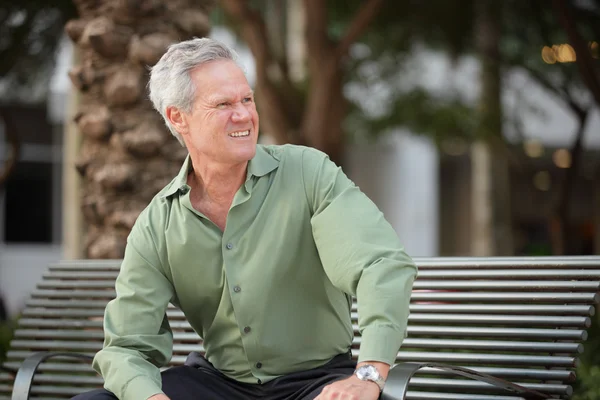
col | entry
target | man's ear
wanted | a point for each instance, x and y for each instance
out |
(177, 119)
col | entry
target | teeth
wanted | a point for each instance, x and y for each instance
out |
(240, 134)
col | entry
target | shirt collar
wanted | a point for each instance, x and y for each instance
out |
(261, 164)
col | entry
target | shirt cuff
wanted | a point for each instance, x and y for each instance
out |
(140, 388)
(381, 344)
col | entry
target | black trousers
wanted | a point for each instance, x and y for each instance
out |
(199, 380)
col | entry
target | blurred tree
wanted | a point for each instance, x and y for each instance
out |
(380, 58)
(565, 13)
(564, 80)
(292, 111)
(29, 34)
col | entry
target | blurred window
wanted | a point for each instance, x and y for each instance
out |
(28, 204)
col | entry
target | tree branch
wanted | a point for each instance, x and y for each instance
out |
(318, 42)
(361, 21)
(253, 29)
(584, 58)
(561, 91)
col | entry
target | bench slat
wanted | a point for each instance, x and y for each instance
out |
(443, 331)
(559, 297)
(511, 373)
(488, 359)
(461, 263)
(457, 263)
(415, 395)
(472, 385)
(520, 309)
(532, 320)
(493, 345)
(561, 347)
(496, 274)
(505, 274)
(418, 285)
(409, 343)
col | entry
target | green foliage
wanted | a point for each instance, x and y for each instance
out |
(6, 334)
(30, 31)
(587, 386)
(422, 113)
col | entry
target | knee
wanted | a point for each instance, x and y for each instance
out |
(98, 394)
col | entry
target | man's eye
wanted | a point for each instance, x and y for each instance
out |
(221, 105)
(247, 100)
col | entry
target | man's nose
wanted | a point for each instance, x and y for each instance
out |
(241, 113)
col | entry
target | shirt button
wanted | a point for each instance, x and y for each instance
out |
(237, 289)
(258, 365)
(247, 329)
(229, 246)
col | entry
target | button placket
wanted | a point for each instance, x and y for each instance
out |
(229, 256)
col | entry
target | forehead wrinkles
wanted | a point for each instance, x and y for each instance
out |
(228, 93)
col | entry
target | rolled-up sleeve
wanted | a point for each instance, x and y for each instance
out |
(137, 337)
(361, 254)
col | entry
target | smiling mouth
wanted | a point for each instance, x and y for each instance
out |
(240, 134)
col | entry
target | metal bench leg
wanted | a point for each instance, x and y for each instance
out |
(26, 373)
(397, 382)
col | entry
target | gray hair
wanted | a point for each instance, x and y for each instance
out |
(170, 81)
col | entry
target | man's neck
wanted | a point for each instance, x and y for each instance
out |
(216, 183)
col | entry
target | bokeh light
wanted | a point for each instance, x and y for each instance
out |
(562, 158)
(542, 181)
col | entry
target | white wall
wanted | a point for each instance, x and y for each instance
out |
(21, 267)
(400, 174)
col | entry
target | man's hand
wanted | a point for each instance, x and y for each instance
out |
(350, 388)
(159, 396)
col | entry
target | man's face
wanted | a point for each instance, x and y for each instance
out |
(223, 124)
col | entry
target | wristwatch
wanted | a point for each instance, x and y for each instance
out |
(368, 372)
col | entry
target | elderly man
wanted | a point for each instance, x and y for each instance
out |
(262, 248)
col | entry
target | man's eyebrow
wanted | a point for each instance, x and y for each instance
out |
(217, 99)
(225, 99)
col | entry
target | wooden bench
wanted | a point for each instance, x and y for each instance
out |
(519, 319)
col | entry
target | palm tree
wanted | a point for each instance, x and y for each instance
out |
(127, 155)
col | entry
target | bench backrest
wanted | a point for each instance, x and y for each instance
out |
(521, 319)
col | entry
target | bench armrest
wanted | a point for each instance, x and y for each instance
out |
(400, 374)
(25, 374)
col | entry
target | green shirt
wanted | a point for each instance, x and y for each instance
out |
(271, 294)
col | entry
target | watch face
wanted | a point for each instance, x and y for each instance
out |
(367, 371)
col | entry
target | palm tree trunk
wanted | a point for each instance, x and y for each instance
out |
(126, 155)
